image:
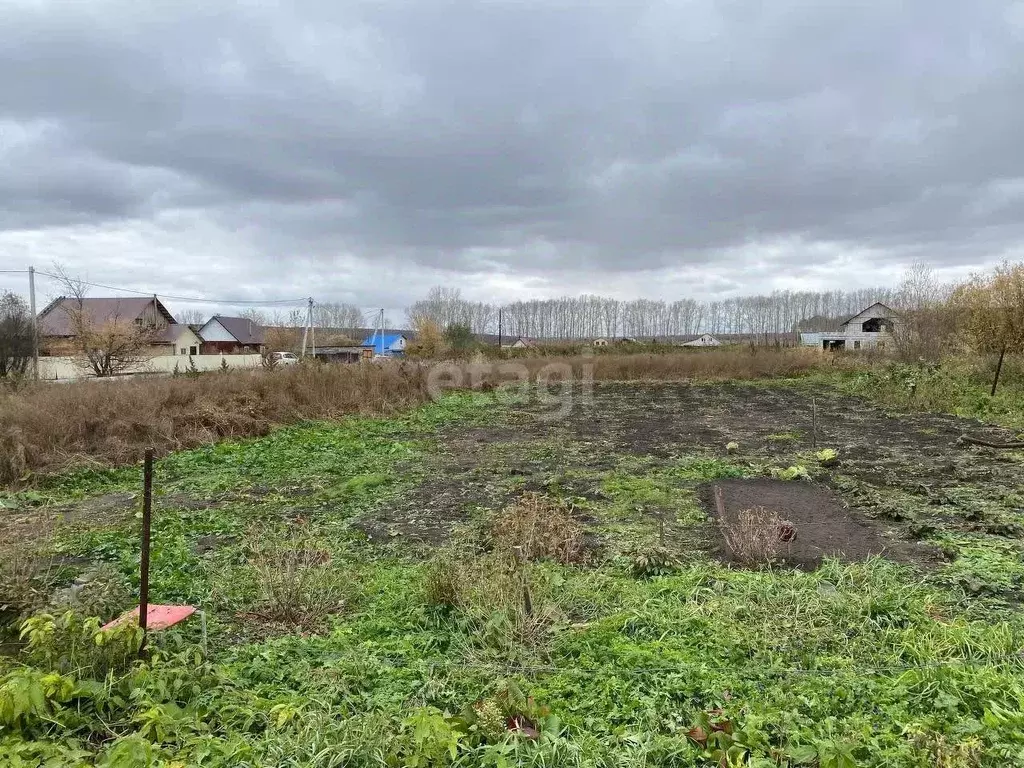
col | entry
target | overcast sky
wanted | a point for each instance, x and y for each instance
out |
(364, 151)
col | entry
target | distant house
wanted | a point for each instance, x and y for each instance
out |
(523, 343)
(704, 340)
(231, 336)
(602, 342)
(57, 322)
(870, 328)
(387, 344)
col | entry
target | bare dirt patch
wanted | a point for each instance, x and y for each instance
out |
(900, 477)
(824, 526)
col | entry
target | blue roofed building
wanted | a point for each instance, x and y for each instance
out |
(388, 344)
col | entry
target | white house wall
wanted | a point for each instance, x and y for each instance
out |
(214, 331)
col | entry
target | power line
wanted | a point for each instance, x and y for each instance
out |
(190, 299)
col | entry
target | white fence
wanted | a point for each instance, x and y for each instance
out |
(65, 368)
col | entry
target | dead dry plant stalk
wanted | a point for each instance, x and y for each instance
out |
(756, 536)
(538, 527)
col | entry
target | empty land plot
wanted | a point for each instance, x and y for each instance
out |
(384, 576)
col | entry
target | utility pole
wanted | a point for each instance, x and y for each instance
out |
(309, 326)
(35, 330)
(499, 327)
(378, 332)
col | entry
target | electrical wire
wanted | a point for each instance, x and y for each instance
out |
(193, 299)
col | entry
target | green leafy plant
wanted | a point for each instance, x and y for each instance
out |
(70, 643)
(651, 561)
(797, 472)
(827, 457)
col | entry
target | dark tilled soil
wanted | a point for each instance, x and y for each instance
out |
(825, 527)
(885, 460)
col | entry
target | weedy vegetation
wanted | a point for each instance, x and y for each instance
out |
(467, 583)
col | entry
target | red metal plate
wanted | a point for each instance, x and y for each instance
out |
(157, 616)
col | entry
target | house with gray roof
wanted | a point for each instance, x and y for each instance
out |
(232, 336)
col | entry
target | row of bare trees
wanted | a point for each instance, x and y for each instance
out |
(588, 316)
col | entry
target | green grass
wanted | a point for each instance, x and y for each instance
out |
(959, 386)
(869, 664)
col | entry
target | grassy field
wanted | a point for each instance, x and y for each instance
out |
(475, 582)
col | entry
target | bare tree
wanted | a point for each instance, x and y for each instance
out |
(104, 346)
(191, 317)
(258, 317)
(16, 335)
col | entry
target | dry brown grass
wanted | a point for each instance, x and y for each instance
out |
(740, 362)
(49, 427)
(538, 527)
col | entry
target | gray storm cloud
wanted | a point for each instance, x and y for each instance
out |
(559, 142)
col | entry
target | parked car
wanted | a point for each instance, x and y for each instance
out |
(285, 358)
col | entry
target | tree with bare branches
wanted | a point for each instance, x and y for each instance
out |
(104, 346)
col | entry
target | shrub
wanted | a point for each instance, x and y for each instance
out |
(538, 527)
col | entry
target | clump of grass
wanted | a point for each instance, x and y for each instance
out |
(445, 580)
(500, 599)
(296, 579)
(538, 527)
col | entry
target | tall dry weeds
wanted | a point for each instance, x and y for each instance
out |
(757, 536)
(538, 527)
